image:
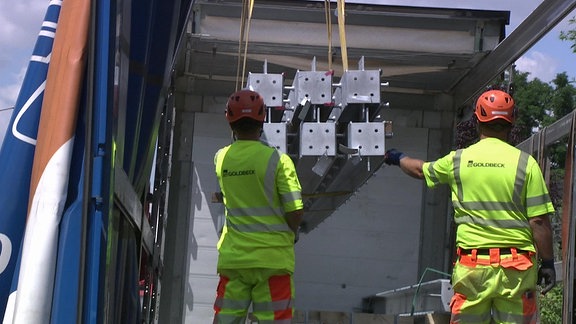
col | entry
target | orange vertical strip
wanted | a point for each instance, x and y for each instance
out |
(63, 85)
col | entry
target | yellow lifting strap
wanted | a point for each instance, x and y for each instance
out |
(328, 16)
(342, 32)
(247, 7)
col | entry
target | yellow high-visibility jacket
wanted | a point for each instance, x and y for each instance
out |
(495, 188)
(259, 185)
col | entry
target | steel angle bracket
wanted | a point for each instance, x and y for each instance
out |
(314, 86)
(360, 87)
(270, 87)
(275, 135)
(368, 138)
(317, 139)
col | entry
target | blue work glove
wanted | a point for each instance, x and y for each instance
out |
(393, 156)
(546, 275)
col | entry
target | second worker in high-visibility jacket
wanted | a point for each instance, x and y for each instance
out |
(263, 206)
(501, 209)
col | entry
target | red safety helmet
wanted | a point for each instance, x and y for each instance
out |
(495, 104)
(245, 103)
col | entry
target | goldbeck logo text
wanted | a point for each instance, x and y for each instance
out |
(472, 164)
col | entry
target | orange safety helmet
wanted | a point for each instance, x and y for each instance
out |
(245, 103)
(495, 104)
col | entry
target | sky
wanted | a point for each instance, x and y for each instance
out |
(21, 21)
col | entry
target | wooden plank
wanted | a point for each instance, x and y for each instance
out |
(364, 318)
(325, 317)
(437, 318)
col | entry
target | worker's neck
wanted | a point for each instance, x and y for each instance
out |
(248, 136)
(501, 136)
(499, 131)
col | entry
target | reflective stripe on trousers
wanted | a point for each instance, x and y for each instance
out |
(270, 291)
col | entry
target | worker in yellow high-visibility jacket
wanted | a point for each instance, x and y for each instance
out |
(263, 206)
(501, 207)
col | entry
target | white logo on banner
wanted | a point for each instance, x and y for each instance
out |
(5, 253)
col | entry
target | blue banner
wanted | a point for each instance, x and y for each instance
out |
(17, 152)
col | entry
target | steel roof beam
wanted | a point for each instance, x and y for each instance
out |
(531, 30)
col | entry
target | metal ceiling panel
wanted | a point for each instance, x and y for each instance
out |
(415, 48)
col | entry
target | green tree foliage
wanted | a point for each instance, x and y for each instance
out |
(551, 306)
(570, 35)
(563, 98)
(532, 99)
(562, 102)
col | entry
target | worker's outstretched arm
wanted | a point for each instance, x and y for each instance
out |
(410, 166)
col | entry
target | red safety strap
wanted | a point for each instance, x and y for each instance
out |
(495, 256)
(519, 261)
